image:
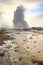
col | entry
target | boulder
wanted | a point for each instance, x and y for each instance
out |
(40, 62)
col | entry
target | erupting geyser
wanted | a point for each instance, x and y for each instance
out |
(19, 22)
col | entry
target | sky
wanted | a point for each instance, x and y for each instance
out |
(33, 13)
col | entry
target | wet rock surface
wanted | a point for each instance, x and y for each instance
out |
(21, 48)
(3, 37)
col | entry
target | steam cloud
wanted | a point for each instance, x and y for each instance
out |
(19, 21)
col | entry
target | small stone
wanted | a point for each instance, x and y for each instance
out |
(14, 62)
(20, 58)
(28, 47)
(34, 41)
(16, 47)
(2, 53)
(34, 46)
(30, 37)
(16, 50)
(13, 42)
(38, 51)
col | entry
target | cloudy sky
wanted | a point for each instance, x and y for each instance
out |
(33, 12)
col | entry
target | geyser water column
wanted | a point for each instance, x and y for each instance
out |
(19, 22)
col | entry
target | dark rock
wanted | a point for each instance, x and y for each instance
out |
(16, 47)
(28, 47)
(34, 46)
(2, 53)
(38, 51)
(12, 38)
(18, 33)
(24, 40)
(16, 50)
(1, 43)
(13, 42)
(14, 62)
(34, 41)
(40, 62)
(27, 41)
(20, 58)
(31, 38)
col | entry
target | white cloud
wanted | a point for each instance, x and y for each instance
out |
(13, 1)
(34, 20)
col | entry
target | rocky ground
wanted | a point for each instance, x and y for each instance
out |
(20, 47)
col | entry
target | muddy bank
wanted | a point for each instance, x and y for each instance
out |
(3, 37)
